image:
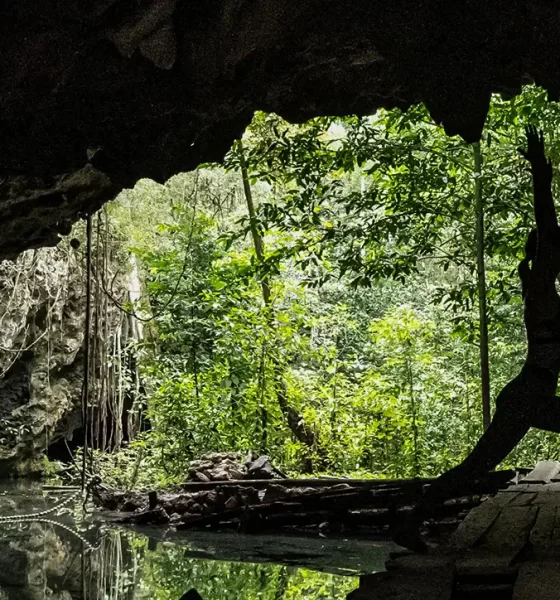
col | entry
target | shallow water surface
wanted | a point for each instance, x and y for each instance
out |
(66, 556)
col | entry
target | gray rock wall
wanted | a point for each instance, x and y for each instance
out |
(42, 309)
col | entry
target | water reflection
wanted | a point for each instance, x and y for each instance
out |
(43, 560)
(38, 561)
(165, 574)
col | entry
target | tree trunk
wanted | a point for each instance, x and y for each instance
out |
(528, 400)
(301, 431)
(481, 285)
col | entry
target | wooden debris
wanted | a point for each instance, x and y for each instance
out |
(332, 504)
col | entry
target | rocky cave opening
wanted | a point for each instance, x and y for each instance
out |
(96, 96)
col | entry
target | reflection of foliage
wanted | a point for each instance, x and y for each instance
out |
(124, 567)
(168, 575)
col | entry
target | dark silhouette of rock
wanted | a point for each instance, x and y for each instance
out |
(96, 95)
(191, 595)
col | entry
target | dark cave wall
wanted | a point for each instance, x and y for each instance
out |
(97, 95)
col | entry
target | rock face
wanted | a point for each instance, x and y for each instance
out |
(41, 337)
(38, 561)
(98, 94)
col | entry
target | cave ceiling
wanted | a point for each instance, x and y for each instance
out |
(97, 94)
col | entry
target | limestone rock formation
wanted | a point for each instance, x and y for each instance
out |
(98, 94)
(41, 337)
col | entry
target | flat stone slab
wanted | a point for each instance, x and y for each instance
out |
(538, 581)
(509, 546)
(541, 534)
(543, 473)
(475, 525)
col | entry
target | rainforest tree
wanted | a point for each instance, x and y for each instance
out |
(336, 272)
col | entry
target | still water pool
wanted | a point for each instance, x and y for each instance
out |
(87, 558)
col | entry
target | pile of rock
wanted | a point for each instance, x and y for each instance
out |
(230, 466)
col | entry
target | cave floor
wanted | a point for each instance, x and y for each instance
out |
(506, 548)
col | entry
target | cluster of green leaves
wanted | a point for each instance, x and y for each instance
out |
(375, 197)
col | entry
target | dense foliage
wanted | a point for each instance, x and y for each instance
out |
(369, 330)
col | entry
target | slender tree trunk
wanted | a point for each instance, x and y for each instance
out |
(469, 418)
(414, 416)
(295, 421)
(257, 239)
(481, 284)
(262, 390)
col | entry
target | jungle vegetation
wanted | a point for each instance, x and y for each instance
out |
(341, 295)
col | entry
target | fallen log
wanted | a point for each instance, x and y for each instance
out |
(335, 505)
